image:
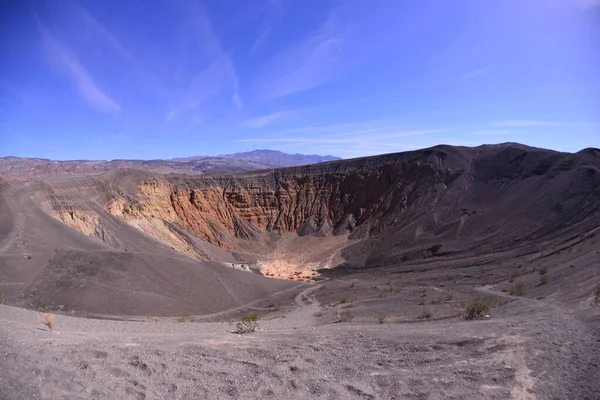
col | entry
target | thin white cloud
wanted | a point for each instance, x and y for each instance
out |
(78, 75)
(306, 65)
(479, 72)
(523, 123)
(587, 4)
(359, 127)
(103, 35)
(263, 120)
(493, 132)
(205, 85)
(237, 100)
(273, 14)
(218, 77)
(352, 138)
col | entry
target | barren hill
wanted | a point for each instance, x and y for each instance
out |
(371, 266)
(162, 235)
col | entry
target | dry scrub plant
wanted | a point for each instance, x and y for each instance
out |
(476, 310)
(518, 289)
(381, 318)
(248, 324)
(48, 320)
(1, 297)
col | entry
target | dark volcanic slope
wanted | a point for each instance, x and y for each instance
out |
(46, 264)
(405, 210)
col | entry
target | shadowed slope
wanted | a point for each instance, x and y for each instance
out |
(444, 203)
(45, 264)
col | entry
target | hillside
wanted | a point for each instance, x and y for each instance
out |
(444, 203)
(369, 264)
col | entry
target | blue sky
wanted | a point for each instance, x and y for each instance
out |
(160, 79)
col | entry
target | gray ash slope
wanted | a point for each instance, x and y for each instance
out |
(464, 207)
(422, 234)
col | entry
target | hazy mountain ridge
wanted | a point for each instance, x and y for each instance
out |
(271, 158)
(32, 168)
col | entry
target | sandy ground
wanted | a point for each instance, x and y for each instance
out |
(525, 350)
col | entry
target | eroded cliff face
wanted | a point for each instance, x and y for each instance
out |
(385, 209)
(290, 221)
(318, 201)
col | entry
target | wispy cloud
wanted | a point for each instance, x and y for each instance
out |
(273, 14)
(350, 138)
(586, 4)
(218, 77)
(264, 120)
(100, 34)
(78, 75)
(492, 132)
(306, 65)
(523, 123)
(343, 129)
(478, 72)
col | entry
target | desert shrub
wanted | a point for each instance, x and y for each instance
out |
(186, 318)
(543, 279)
(425, 315)
(352, 285)
(248, 324)
(381, 318)
(422, 302)
(449, 298)
(476, 310)
(48, 320)
(1, 297)
(345, 316)
(518, 289)
(29, 257)
(543, 270)
(597, 295)
(252, 317)
(343, 300)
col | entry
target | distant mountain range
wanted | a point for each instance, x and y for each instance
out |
(272, 158)
(31, 168)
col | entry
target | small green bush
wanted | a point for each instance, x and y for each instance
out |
(253, 317)
(1, 297)
(518, 289)
(381, 318)
(248, 324)
(476, 310)
(543, 270)
(597, 295)
(343, 300)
